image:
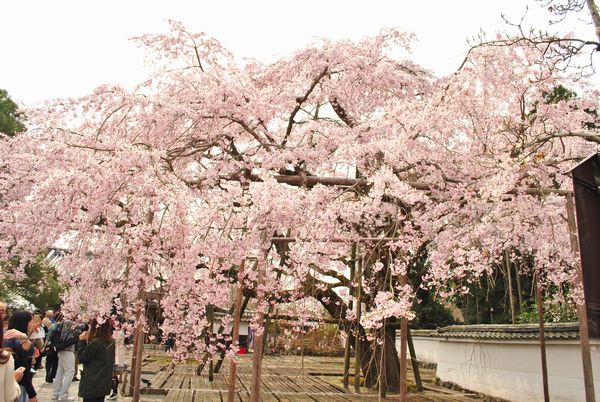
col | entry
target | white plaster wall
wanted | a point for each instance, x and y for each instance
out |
(426, 348)
(510, 369)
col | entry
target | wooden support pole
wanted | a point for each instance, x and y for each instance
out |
(414, 361)
(236, 334)
(403, 350)
(510, 291)
(542, 337)
(349, 329)
(357, 347)
(138, 355)
(211, 334)
(268, 320)
(134, 363)
(519, 287)
(382, 373)
(258, 339)
(221, 328)
(588, 375)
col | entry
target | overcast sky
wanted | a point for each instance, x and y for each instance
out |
(51, 49)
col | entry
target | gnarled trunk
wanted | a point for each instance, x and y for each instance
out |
(370, 361)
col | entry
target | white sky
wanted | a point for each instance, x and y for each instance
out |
(64, 48)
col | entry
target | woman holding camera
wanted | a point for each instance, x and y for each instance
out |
(19, 325)
(9, 377)
(96, 351)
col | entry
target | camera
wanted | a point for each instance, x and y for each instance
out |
(80, 328)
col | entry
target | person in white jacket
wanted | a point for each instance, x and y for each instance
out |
(8, 376)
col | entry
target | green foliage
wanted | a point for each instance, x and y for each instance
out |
(487, 300)
(11, 120)
(431, 314)
(561, 93)
(40, 285)
(553, 312)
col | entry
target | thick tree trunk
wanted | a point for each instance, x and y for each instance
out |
(371, 356)
(370, 353)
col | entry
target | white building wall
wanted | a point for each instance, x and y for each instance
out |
(510, 369)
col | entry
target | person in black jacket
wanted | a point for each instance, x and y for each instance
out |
(96, 351)
(64, 341)
(22, 350)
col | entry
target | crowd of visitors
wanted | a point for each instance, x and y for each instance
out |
(26, 337)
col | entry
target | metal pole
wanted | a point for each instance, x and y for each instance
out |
(588, 375)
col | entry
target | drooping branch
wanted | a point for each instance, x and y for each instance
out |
(341, 113)
(299, 102)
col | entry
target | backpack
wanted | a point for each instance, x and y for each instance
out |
(54, 337)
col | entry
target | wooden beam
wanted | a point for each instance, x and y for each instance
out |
(308, 181)
(334, 239)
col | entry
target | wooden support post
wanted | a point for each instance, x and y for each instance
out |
(510, 291)
(211, 334)
(134, 363)
(414, 361)
(519, 287)
(282, 261)
(221, 328)
(138, 350)
(349, 325)
(403, 350)
(540, 310)
(357, 351)
(588, 375)
(258, 339)
(346, 378)
(382, 373)
(403, 361)
(137, 355)
(302, 352)
(268, 319)
(236, 333)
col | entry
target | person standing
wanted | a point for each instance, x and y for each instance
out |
(37, 337)
(64, 342)
(3, 316)
(96, 351)
(9, 377)
(51, 354)
(19, 325)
